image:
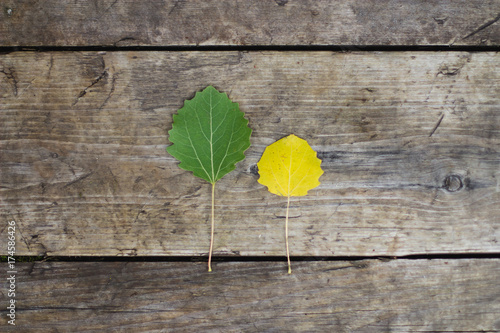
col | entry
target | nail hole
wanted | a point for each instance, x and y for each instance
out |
(254, 169)
(453, 183)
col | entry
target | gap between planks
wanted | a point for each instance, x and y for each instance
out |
(256, 48)
(235, 258)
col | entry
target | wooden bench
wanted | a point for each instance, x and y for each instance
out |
(401, 100)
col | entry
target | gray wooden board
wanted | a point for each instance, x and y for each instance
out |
(409, 143)
(361, 296)
(242, 22)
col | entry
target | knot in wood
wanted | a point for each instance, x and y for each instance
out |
(281, 2)
(254, 169)
(453, 183)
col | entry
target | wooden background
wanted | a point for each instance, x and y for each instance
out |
(399, 98)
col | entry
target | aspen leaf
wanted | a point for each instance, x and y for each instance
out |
(209, 136)
(289, 167)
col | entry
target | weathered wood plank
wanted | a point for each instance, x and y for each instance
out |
(409, 143)
(229, 22)
(361, 296)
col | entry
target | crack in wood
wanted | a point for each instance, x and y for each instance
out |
(51, 64)
(484, 26)
(178, 4)
(124, 39)
(94, 82)
(112, 90)
(437, 125)
(78, 179)
(11, 79)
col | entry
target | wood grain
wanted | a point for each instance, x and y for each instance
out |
(229, 22)
(360, 296)
(409, 143)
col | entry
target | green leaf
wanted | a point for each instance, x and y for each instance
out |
(209, 135)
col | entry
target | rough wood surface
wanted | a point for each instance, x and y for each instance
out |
(242, 22)
(409, 143)
(361, 296)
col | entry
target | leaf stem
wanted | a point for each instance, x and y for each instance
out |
(286, 236)
(212, 232)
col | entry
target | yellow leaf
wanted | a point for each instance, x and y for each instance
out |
(289, 167)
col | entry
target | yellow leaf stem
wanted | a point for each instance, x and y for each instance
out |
(286, 237)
